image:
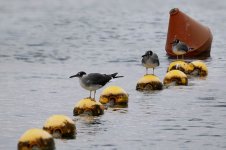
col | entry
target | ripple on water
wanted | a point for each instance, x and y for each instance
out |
(168, 120)
(37, 44)
(195, 119)
(175, 129)
(219, 106)
(209, 135)
(4, 56)
(122, 60)
(208, 98)
(40, 56)
(108, 145)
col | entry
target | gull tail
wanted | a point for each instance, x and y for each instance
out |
(114, 75)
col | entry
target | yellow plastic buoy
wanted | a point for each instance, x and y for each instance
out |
(176, 77)
(115, 96)
(88, 106)
(60, 126)
(36, 139)
(178, 65)
(198, 68)
(149, 82)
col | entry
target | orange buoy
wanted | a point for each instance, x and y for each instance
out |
(189, 31)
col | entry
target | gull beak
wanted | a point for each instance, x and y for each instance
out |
(74, 76)
(144, 55)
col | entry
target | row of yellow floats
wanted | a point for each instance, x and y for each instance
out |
(56, 126)
(112, 96)
(61, 126)
(177, 74)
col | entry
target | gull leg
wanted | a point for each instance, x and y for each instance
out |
(153, 71)
(89, 94)
(94, 94)
(146, 71)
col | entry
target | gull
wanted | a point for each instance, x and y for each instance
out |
(94, 81)
(150, 60)
(180, 48)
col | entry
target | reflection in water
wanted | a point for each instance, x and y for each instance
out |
(90, 125)
(120, 110)
(87, 119)
(207, 98)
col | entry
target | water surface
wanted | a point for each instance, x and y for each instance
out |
(42, 43)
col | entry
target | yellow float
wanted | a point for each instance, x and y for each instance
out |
(198, 68)
(178, 65)
(88, 106)
(175, 77)
(114, 96)
(60, 126)
(149, 82)
(36, 139)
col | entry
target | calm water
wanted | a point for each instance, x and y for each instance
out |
(43, 42)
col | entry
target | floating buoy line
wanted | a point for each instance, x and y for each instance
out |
(177, 74)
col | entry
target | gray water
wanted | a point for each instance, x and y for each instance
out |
(43, 42)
